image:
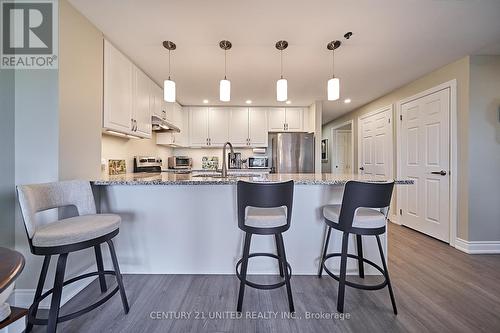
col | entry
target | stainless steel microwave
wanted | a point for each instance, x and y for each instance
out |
(258, 162)
(180, 162)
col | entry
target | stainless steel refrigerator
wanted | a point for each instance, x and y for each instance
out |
(291, 152)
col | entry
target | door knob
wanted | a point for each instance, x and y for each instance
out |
(442, 173)
(362, 168)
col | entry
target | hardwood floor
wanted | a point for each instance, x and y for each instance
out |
(437, 289)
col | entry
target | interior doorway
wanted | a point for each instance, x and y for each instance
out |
(342, 152)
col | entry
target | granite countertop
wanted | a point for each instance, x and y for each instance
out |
(168, 178)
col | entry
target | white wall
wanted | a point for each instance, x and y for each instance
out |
(458, 70)
(36, 149)
(120, 148)
(7, 171)
(484, 149)
(80, 95)
(197, 154)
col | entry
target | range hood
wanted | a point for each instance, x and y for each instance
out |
(161, 125)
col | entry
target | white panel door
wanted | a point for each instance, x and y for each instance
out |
(258, 134)
(218, 126)
(198, 126)
(294, 119)
(375, 143)
(342, 152)
(118, 84)
(276, 118)
(142, 110)
(425, 151)
(238, 127)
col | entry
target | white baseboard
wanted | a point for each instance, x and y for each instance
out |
(394, 219)
(477, 247)
(24, 297)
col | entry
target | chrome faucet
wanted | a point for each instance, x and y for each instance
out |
(224, 166)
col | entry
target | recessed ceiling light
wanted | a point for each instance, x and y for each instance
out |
(288, 102)
(205, 101)
(347, 100)
(248, 101)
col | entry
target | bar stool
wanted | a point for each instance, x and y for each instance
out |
(264, 209)
(61, 237)
(363, 212)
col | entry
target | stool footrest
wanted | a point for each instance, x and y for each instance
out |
(258, 285)
(38, 321)
(353, 284)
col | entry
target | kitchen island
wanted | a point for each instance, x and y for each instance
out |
(187, 223)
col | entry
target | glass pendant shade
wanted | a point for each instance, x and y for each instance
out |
(169, 91)
(281, 90)
(225, 90)
(333, 89)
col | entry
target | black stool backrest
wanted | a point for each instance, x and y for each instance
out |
(264, 195)
(367, 195)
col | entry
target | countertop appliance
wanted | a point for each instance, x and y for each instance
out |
(147, 164)
(234, 161)
(258, 162)
(180, 162)
(291, 152)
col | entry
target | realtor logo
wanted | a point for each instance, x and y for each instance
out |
(29, 34)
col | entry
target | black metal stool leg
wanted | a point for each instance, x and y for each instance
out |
(325, 249)
(244, 266)
(361, 268)
(38, 292)
(343, 272)
(281, 264)
(100, 268)
(118, 275)
(282, 255)
(56, 296)
(386, 272)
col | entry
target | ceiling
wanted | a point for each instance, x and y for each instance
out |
(394, 42)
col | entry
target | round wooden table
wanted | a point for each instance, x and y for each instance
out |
(11, 265)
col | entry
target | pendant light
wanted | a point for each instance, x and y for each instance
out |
(333, 87)
(169, 85)
(281, 84)
(225, 84)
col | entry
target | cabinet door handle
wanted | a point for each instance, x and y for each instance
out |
(135, 121)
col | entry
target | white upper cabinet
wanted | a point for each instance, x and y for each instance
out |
(286, 119)
(128, 101)
(156, 100)
(198, 126)
(118, 95)
(180, 119)
(276, 118)
(141, 110)
(294, 119)
(257, 127)
(238, 127)
(169, 111)
(218, 126)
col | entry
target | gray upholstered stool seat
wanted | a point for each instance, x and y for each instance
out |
(83, 229)
(260, 217)
(76, 229)
(365, 218)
